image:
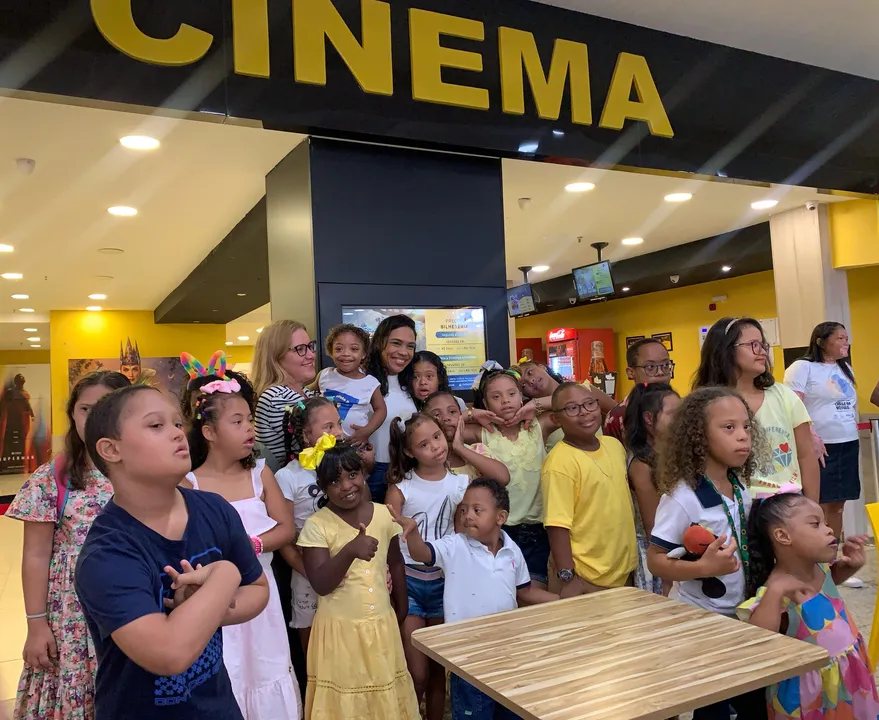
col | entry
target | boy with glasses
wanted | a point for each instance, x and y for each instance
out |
(587, 506)
(647, 362)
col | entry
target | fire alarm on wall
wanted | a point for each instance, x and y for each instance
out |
(712, 306)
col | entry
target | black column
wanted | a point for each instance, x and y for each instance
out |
(375, 226)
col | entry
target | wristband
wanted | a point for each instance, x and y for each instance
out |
(37, 616)
(257, 544)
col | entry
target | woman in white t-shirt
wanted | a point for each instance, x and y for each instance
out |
(390, 352)
(825, 382)
(736, 354)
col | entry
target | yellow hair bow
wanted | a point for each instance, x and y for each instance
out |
(310, 458)
(523, 359)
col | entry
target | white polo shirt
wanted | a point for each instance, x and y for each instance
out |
(477, 582)
(683, 507)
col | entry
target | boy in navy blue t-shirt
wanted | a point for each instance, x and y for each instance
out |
(162, 569)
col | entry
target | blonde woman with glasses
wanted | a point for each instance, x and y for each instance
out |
(283, 364)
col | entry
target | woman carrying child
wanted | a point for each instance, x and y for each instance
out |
(57, 505)
(793, 589)
(649, 411)
(712, 450)
(421, 486)
(356, 665)
(221, 440)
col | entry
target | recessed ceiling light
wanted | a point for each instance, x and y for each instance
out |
(12, 276)
(33, 339)
(122, 211)
(94, 308)
(36, 346)
(725, 268)
(259, 330)
(580, 187)
(242, 294)
(30, 329)
(6, 248)
(243, 338)
(678, 197)
(110, 251)
(540, 268)
(764, 204)
(25, 310)
(19, 296)
(139, 142)
(632, 241)
(97, 296)
(228, 342)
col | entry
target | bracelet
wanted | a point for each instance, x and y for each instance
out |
(538, 408)
(37, 616)
(257, 544)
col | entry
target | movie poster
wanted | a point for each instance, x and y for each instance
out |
(164, 373)
(25, 418)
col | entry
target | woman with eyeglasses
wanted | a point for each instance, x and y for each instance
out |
(736, 355)
(283, 364)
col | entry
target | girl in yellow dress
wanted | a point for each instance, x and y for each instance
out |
(356, 666)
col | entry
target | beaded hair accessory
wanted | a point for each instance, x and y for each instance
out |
(216, 366)
(310, 458)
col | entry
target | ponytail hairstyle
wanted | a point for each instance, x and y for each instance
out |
(401, 462)
(645, 399)
(343, 457)
(207, 409)
(296, 419)
(75, 449)
(766, 515)
(489, 378)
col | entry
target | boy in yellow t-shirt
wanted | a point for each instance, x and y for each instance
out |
(587, 504)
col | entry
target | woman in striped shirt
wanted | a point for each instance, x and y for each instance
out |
(283, 364)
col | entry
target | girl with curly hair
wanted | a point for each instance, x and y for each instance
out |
(221, 441)
(706, 461)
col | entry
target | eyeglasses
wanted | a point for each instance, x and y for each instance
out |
(574, 409)
(756, 346)
(302, 350)
(654, 370)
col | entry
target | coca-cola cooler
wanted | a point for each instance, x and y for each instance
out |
(584, 354)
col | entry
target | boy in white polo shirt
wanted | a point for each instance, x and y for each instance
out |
(485, 574)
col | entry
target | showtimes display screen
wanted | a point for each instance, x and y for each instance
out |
(520, 301)
(593, 280)
(457, 335)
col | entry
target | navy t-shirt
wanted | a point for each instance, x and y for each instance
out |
(120, 577)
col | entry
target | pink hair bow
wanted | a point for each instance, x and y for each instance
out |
(223, 386)
(789, 488)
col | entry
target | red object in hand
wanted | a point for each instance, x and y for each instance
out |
(697, 539)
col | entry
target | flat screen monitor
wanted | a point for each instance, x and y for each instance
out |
(593, 281)
(456, 334)
(519, 300)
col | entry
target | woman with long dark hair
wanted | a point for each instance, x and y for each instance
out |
(736, 355)
(824, 380)
(58, 504)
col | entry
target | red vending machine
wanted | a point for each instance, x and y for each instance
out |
(586, 354)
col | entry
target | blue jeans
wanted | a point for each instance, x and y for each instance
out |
(468, 703)
(426, 596)
(377, 484)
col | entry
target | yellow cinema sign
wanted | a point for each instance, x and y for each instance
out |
(316, 22)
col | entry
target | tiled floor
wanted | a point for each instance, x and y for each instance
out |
(13, 628)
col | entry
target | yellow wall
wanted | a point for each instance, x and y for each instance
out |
(24, 357)
(80, 334)
(239, 354)
(854, 232)
(681, 311)
(863, 297)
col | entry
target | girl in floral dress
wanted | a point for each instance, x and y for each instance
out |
(58, 504)
(794, 573)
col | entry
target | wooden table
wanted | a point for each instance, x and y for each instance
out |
(616, 655)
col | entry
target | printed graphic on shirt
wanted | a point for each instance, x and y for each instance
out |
(782, 452)
(343, 401)
(843, 389)
(314, 494)
(443, 524)
(177, 689)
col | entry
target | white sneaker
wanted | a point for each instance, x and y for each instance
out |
(854, 582)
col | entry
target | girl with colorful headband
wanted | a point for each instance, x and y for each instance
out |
(221, 441)
(347, 546)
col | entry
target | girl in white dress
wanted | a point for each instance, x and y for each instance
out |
(256, 653)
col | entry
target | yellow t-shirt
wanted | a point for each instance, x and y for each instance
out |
(588, 493)
(779, 415)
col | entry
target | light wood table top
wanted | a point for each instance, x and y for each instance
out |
(615, 655)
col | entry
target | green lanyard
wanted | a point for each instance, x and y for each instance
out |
(742, 541)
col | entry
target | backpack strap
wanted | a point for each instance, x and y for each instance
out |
(59, 464)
